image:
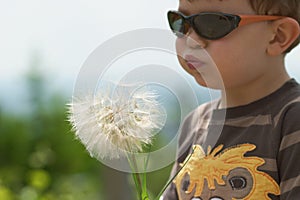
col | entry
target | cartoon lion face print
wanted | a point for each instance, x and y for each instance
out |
(224, 175)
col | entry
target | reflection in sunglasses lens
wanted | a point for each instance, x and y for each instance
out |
(212, 25)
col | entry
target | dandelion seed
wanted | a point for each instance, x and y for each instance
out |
(111, 124)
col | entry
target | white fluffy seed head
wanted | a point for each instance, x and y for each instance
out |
(112, 124)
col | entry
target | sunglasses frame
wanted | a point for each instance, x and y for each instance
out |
(235, 21)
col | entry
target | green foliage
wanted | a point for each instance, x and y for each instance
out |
(41, 160)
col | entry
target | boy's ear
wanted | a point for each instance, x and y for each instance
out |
(286, 31)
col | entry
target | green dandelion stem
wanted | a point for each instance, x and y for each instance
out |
(171, 180)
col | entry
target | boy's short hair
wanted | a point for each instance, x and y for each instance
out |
(289, 8)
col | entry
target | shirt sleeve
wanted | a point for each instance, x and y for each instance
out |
(185, 140)
(189, 129)
(289, 153)
(171, 192)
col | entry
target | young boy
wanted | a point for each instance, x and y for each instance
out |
(247, 144)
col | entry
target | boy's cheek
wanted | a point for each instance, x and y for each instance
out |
(182, 62)
(180, 46)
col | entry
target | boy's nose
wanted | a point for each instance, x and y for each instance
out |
(194, 41)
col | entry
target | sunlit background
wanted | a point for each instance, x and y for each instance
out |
(42, 46)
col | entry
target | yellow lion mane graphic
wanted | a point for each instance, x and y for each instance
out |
(216, 164)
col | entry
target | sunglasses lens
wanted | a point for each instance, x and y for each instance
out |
(177, 24)
(212, 25)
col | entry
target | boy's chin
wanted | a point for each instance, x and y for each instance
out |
(208, 84)
(201, 82)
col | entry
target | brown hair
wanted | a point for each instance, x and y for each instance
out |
(289, 8)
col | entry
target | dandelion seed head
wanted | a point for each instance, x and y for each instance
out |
(111, 125)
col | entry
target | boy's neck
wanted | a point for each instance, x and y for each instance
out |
(248, 93)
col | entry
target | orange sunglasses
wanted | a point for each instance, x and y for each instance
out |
(212, 25)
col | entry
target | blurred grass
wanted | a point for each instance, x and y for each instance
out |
(41, 160)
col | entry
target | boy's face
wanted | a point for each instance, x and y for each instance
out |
(239, 57)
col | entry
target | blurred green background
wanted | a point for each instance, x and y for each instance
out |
(43, 45)
(41, 160)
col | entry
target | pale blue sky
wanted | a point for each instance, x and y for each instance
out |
(65, 32)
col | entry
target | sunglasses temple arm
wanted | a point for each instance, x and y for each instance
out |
(247, 19)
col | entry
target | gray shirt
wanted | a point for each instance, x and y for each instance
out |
(255, 150)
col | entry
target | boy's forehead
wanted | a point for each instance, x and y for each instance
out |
(204, 0)
(230, 6)
(201, 0)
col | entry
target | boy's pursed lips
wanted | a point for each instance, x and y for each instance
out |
(193, 62)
